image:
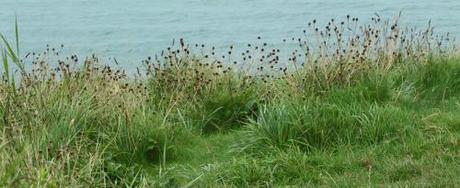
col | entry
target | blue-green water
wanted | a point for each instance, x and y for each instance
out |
(132, 29)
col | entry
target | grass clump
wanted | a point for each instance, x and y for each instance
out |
(225, 107)
(310, 126)
(439, 79)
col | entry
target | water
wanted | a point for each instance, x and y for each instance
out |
(134, 29)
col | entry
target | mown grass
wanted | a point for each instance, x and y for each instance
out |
(186, 119)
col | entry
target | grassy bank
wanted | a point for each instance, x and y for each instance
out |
(370, 111)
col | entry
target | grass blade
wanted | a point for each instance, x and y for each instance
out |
(12, 54)
(6, 71)
(16, 32)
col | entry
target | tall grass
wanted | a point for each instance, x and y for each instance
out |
(355, 105)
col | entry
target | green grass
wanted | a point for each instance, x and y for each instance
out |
(396, 129)
(358, 124)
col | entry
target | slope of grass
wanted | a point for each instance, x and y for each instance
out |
(398, 128)
(191, 121)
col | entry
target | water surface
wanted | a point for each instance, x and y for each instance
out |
(133, 29)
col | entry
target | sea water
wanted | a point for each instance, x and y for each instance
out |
(134, 29)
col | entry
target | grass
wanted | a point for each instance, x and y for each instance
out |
(386, 116)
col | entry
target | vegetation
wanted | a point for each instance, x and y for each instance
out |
(370, 106)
